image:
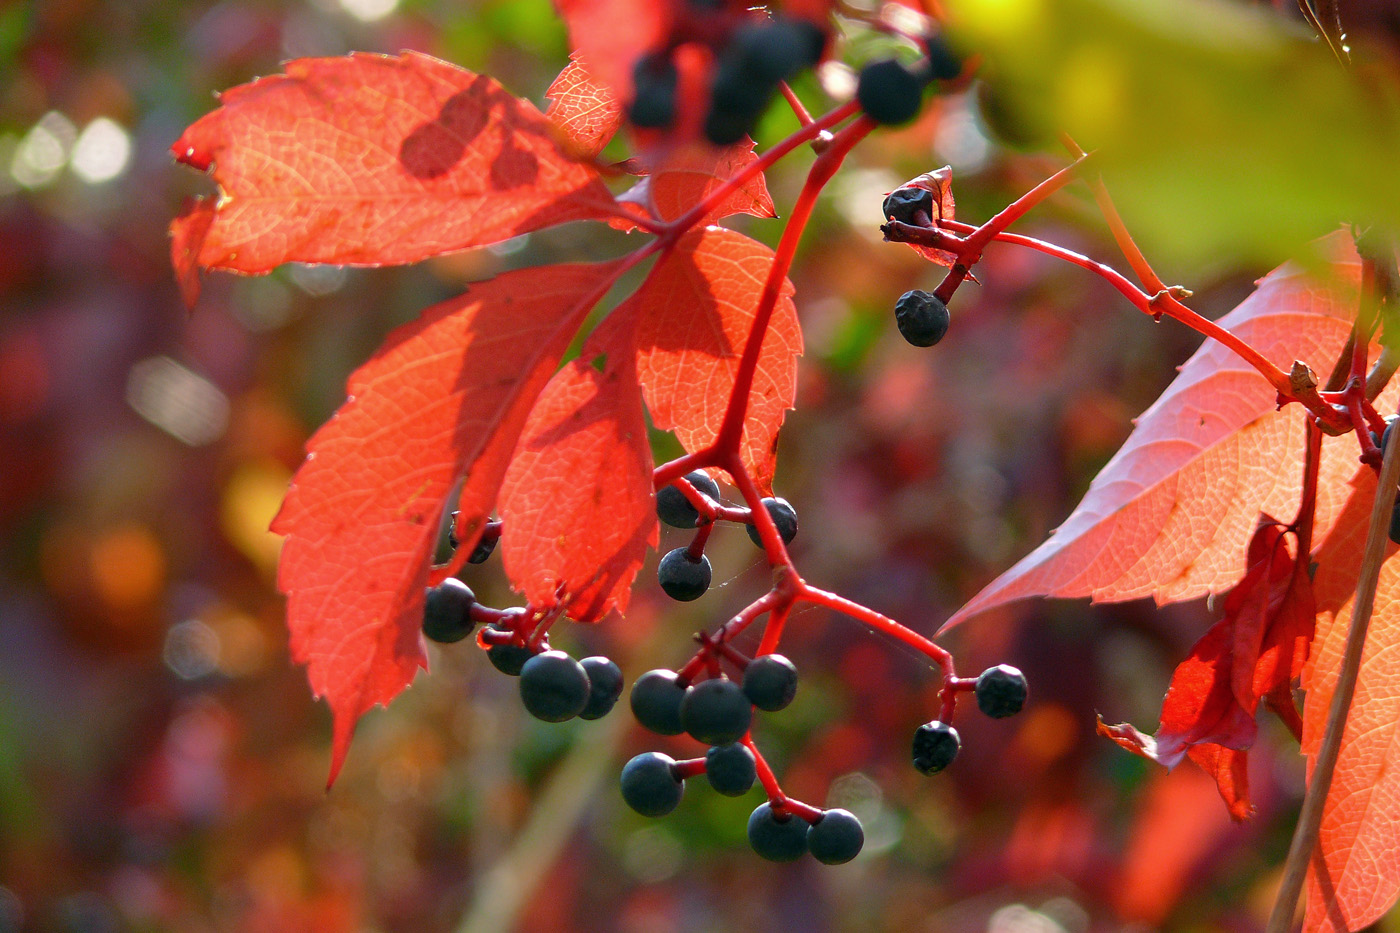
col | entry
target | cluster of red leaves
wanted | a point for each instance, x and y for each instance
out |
(396, 159)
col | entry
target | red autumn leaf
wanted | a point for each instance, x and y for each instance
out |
(586, 111)
(1167, 516)
(577, 501)
(187, 233)
(693, 173)
(694, 315)
(446, 395)
(373, 159)
(1354, 881)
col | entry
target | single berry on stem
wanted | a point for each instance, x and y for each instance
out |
(508, 658)
(650, 784)
(770, 682)
(889, 93)
(922, 317)
(604, 687)
(784, 517)
(553, 686)
(936, 744)
(777, 840)
(716, 712)
(673, 508)
(730, 769)
(656, 702)
(447, 611)
(1001, 691)
(904, 204)
(835, 838)
(682, 577)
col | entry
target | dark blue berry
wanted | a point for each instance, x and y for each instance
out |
(1001, 691)
(737, 100)
(903, 204)
(553, 686)
(936, 744)
(509, 658)
(447, 611)
(770, 682)
(654, 103)
(683, 578)
(777, 49)
(604, 687)
(1395, 522)
(777, 840)
(943, 62)
(922, 317)
(889, 93)
(673, 508)
(656, 702)
(650, 785)
(716, 712)
(730, 769)
(784, 516)
(836, 837)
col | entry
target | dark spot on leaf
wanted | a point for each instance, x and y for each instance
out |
(434, 148)
(599, 362)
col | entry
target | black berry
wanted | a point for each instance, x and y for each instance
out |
(484, 545)
(650, 785)
(730, 769)
(604, 687)
(509, 658)
(777, 49)
(922, 317)
(553, 686)
(737, 100)
(903, 204)
(1395, 523)
(654, 103)
(836, 837)
(673, 508)
(943, 63)
(784, 516)
(447, 611)
(776, 840)
(716, 712)
(889, 93)
(936, 744)
(683, 578)
(656, 702)
(1001, 691)
(770, 682)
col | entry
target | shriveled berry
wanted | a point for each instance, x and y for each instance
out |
(656, 702)
(650, 784)
(673, 508)
(447, 611)
(943, 63)
(484, 545)
(604, 687)
(936, 744)
(777, 840)
(553, 686)
(784, 516)
(654, 103)
(903, 204)
(715, 711)
(730, 769)
(835, 838)
(681, 577)
(770, 682)
(509, 658)
(1001, 691)
(922, 317)
(889, 93)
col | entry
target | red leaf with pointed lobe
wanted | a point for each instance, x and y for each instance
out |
(446, 395)
(1228, 766)
(374, 159)
(577, 501)
(1354, 882)
(187, 233)
(691, 174)
(585, 110)
(1166, 517)
(694, 315)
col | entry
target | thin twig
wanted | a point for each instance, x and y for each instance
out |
(1305, 834)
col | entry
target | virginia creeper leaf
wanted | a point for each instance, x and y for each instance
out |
(446, 395)
(585, 110)
(374, 159)
(1168, 515)
(577, 499)
(694, 315)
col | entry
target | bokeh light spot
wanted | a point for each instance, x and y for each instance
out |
(102, 151)
(368, 11)
(43, 151)
(191, 649)
(180, 402)
(128, 566)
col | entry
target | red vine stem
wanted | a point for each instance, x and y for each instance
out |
(811, 594)
(781, 803)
